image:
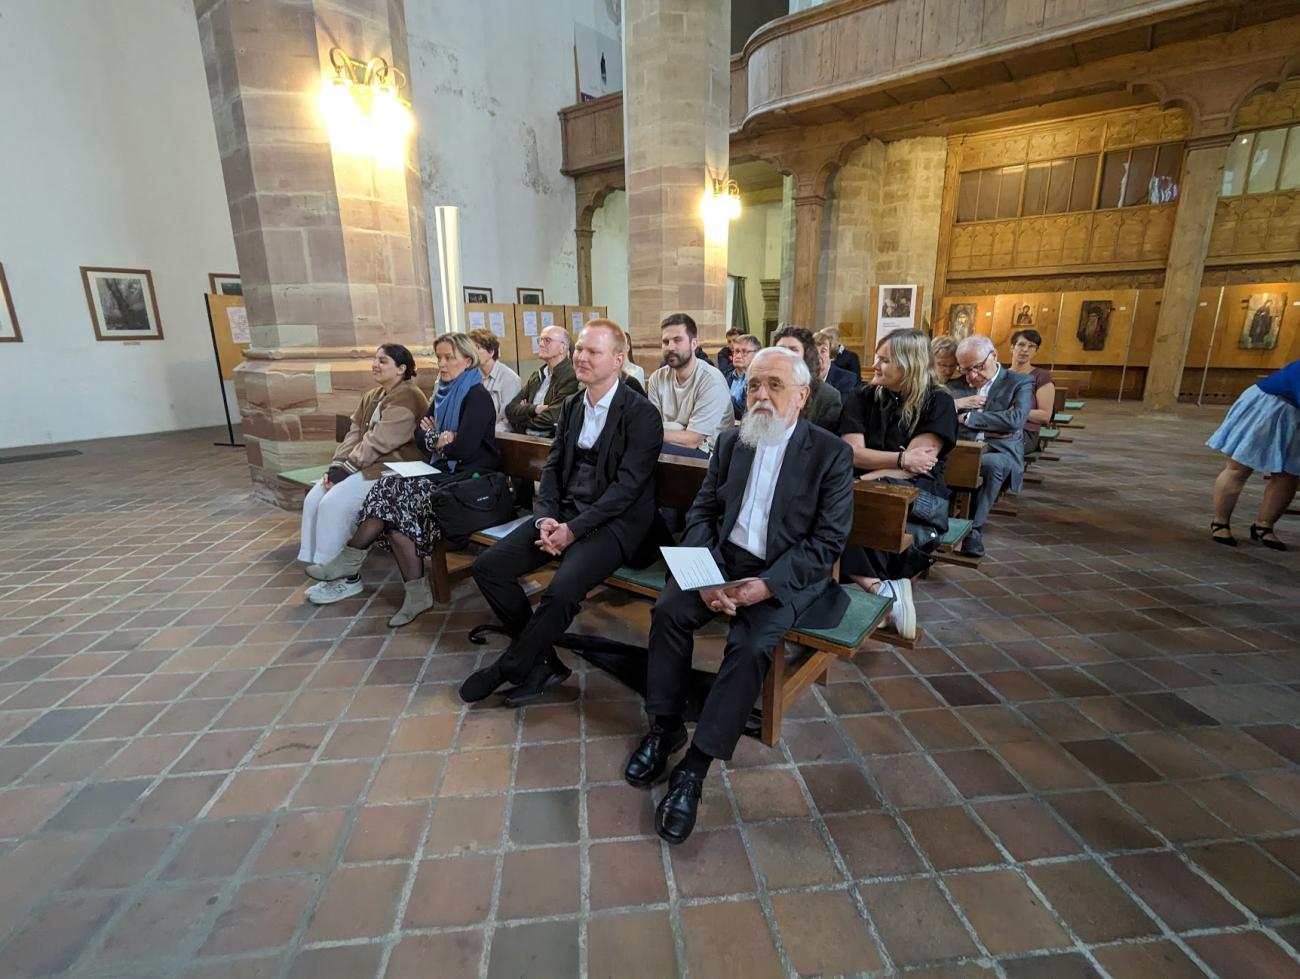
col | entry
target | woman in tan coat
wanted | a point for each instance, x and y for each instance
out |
(383, 430)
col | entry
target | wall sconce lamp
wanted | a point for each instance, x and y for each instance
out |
(363, 110)
(721, 200)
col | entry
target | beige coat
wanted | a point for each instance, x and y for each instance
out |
(383, 430)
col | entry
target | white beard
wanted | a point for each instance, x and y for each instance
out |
(758, 430)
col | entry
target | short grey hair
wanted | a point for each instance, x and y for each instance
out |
(979, 343)
(797, 365)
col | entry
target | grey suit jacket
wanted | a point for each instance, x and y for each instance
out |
(1009, 402)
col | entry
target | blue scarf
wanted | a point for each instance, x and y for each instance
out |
(447, 402)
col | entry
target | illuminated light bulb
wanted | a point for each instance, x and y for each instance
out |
(387, 114)
(346, 120)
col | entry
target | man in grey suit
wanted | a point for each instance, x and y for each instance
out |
(992, 405)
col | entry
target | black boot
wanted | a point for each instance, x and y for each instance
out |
(482, 683)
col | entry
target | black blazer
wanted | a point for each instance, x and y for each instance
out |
(475, 447)
(808, 524)
(627, 453)
(843, 381)
(847, 360)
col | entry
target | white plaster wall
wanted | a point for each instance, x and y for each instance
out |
(109, 159)
(488, 78)
(609, 256)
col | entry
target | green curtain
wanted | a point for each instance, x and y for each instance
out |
(739, 312)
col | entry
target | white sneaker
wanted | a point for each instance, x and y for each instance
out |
(329, 592)
(902, 615)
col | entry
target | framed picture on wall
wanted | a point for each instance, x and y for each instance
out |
(477, 294)
(9, 332)
(525, 296)
(1262, 321)
(225, 284)
(1094, 323)
(961, 320)
(895, 310)
(122, 303)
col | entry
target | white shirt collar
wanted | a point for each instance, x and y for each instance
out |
(604, 403)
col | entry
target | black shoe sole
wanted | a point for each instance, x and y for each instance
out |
(658, 776)
(672, 840)
(518, 697)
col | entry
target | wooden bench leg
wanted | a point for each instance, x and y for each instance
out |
(773, 697)
(439, 580)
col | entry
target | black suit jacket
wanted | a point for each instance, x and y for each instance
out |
(808, 524)
(845, 382)
(847, 360)
(626, 454)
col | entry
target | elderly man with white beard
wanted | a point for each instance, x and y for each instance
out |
(775, 511)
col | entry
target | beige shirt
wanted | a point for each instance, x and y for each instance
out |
(503, 384)
(701, 405)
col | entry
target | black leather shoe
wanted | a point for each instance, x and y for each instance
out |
(483, 683)
(973, 545)
(675, 817)
(546, 674)
(650, 760)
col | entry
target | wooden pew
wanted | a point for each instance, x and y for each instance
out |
(961, 471)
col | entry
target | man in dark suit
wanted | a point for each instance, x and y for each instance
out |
(595, 505)
(992, 406)
(845, 359)
(843, 381)
(533, 410)
(775, 511)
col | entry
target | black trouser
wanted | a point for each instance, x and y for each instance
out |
(583, 565)
(885, 565)
(746, 658)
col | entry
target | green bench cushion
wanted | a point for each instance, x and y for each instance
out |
(1074, 405)
(1049, 433)
(863, 614)
(655, 576)
(958, 528)
(1063, 417)
(305, 477)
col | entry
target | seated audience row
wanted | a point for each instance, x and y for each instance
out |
(775, 509)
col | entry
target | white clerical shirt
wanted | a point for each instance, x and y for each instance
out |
(594, 416)
(750, 531)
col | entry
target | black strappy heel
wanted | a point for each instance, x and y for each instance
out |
(1228, 541)
(1259, 533)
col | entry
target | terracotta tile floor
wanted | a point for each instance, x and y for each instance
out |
(1089, 768)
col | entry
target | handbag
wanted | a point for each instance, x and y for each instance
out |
(469, 503)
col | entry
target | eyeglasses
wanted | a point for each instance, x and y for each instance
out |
(980, 365)
(546, 340)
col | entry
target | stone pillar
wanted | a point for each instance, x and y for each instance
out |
(808, 211)
(676, 70)
(1197, 197)
(786, 304)
(584, 236)
(331, 247)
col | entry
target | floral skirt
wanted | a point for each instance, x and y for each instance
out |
(402, 503)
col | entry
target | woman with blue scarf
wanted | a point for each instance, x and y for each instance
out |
(459, 433)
